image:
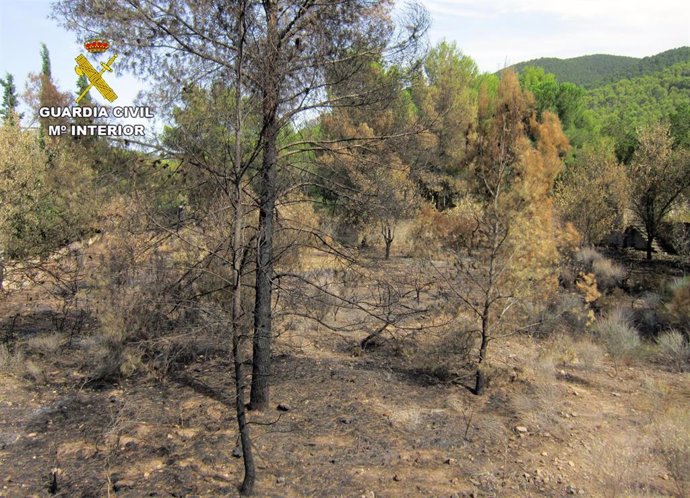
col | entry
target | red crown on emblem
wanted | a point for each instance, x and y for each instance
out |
(96, 45)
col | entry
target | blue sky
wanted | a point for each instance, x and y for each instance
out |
(493, 32)
(500, 32)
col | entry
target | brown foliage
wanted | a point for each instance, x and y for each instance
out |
(592, 193)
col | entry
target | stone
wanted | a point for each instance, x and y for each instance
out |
(123, 484)
(283, 407)
(521, 428)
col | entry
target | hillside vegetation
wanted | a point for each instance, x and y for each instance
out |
(643, 99)
(591, 71)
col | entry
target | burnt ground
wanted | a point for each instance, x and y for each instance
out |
(356, 426)
(559, 418)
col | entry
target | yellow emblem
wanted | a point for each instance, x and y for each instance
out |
(95, 78)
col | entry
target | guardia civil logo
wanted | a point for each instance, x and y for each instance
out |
(84, 67)
(96, 115)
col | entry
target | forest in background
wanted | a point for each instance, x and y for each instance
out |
(331, 167)
(592, 71)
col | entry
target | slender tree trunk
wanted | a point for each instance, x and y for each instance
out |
(388, 237)
(245, 437)
(650, 241)
(241, 409)
(480, 380)
(261, 368)
(238, 249)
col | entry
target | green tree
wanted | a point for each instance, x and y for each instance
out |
(445, 97)
(680, 126)
(45, 62)
(42, 92)
(563, 99)
(82, 85)
(46, 195)
(8, 111)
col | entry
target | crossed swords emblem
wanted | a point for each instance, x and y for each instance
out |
(95, 78)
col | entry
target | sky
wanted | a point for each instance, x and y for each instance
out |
(495, 33)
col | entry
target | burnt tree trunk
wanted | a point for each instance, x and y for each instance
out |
(480, 377)
(650, 242)
(249, 468)
(238, 253)
(261, 368)
(388, 236)
(389, 242)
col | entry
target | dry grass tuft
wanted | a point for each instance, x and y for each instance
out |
(45, 344)
(580, 352)
(674, 350)
(11, 362)
(672, 432)
(618, 335)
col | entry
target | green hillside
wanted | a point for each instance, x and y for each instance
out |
(643, 99)
(591, 71)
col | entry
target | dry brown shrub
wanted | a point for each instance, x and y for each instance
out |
(11, 362)
(587, 285)
(565, 312)
(674, 350)
(608, 274)
(444, 354)
(454, 228)
(678, 308)
(45, 344)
